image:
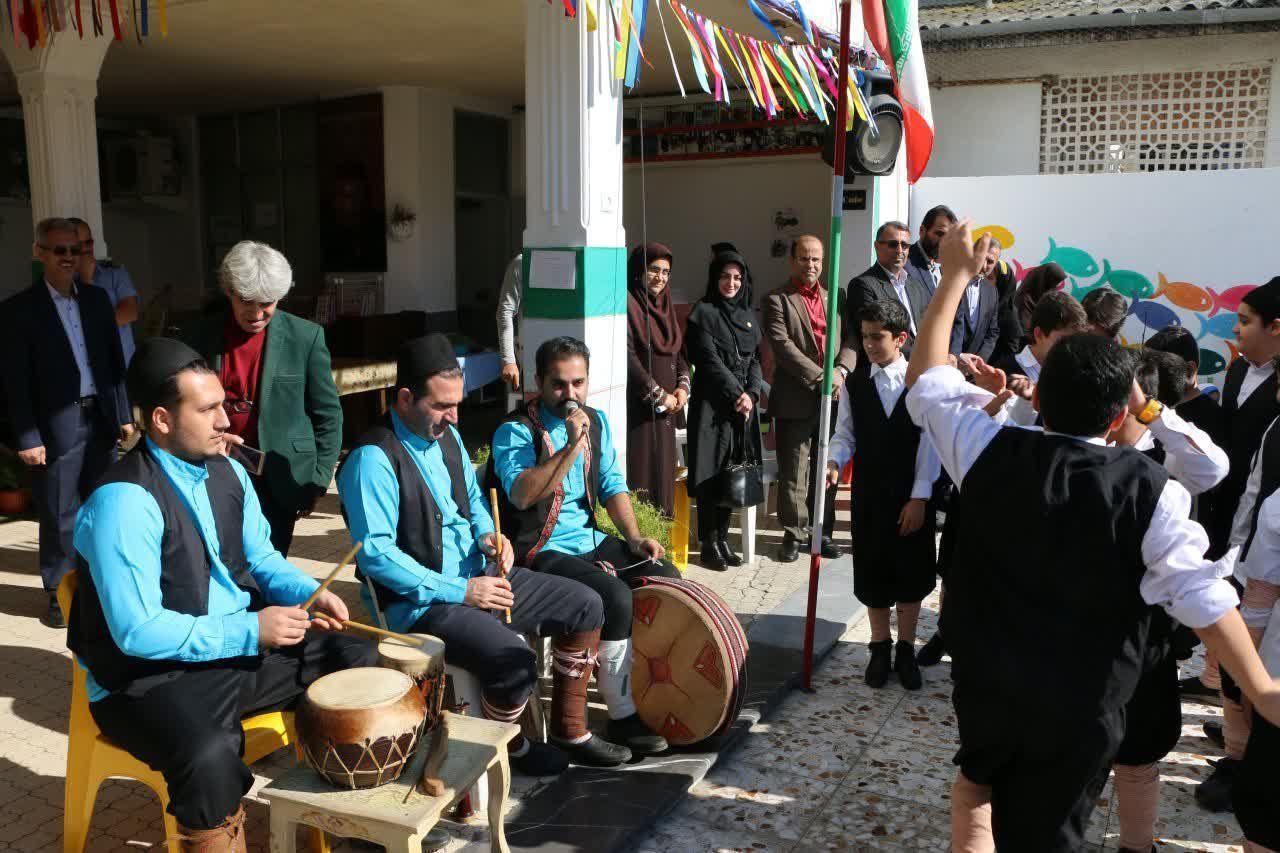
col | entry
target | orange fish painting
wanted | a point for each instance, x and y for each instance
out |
(1184, 294)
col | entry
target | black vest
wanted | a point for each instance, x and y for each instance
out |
(184, 572)
(1269, 459)
(1048, 614)
(885, 467)
(528, 529)
(420, 527)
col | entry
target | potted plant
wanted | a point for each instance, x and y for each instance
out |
(15, 497)
(402, 223)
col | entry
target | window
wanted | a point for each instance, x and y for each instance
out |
(1155, 122)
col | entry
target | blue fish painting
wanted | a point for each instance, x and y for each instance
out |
(1077, 262)
(1128, 283)
(1211, 362)
(1221, 326)
(1153, 315)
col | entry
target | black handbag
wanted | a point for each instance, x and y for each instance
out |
(742, 480)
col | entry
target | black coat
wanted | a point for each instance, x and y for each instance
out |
(720, 374)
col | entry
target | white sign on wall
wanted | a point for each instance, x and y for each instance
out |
(1182, 247)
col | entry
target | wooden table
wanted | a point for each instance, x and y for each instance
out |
(397, 815)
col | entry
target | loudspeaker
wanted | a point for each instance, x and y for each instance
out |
(863, 155)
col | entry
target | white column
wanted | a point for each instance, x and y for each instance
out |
(573, 144)
(402, 155)
(59, 85)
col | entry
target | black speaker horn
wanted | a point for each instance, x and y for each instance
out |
(865, 153)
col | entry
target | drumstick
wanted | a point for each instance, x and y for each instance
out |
(360, 626)
(306, 605)
(497, 537)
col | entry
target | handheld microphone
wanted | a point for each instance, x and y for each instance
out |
(571, 406)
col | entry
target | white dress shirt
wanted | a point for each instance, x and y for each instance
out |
(69, 313)
(1190, 456)
(890, 382)
(1253, 377)
(972, 295)
(1263, 562)
(1177, 577)
(935, 270)
(899, 283)
(1017, 411)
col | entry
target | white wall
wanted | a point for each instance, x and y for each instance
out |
(986, 130)
(1170, 264)
(691, 205)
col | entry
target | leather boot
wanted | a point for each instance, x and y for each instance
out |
(711, 556)
(228, 837)
(726, 553)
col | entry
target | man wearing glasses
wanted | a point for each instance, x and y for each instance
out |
(113, 279)
(64, 386)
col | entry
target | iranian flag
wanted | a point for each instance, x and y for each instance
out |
(894, 28)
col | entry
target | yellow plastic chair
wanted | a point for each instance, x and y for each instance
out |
(680, 525)
(91, 758)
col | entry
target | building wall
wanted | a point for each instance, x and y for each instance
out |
(994, 130)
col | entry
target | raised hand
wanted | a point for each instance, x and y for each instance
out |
(959, 254)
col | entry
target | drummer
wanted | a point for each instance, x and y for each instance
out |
(410, 495)
(186, 617)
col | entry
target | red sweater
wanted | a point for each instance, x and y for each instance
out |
(241, 370)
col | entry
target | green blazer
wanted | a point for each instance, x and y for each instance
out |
(299, 415)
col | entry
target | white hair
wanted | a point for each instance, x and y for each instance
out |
(255, 272)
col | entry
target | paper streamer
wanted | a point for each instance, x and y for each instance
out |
(674, 67)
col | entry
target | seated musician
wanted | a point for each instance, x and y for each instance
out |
(186, 617)
(540, 456)
(409, 493)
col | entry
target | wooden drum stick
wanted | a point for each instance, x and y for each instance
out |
(497, 538)
(369, 629)
(333, 574)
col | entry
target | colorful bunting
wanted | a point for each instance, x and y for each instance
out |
(39, 21)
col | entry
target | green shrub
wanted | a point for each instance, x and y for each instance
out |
(13, 474)
(480, 458)
(649, 518)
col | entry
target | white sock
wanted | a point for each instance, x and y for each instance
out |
(614, 677)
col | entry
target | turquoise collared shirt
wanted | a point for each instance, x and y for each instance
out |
(371, 496)
(119, 532)
(514, 453)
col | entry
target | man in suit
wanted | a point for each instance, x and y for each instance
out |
(977, 317)
(64, 383)
(278, 379)
(922, 260)
(889, 278)
(796, 326)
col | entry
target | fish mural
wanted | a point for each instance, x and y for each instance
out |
(1077, 262)
(1229, 299)
(1211, 362)
(1222, 326)
(1153, 315)
(1128, 283)
(1184, 294)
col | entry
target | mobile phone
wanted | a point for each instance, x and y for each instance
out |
(250, 457)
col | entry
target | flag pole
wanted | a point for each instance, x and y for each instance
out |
(818, 481)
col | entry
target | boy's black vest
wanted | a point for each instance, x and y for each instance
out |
(885, 445)
(529, 529)
(1043, 612)
(1244, 425)
(184, 571)
(419, 529)
(1269, 459)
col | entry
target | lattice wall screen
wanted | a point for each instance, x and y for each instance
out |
(1155, 122)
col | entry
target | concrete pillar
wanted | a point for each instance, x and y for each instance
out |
(574, 243)
(59, 85)
(402, 155)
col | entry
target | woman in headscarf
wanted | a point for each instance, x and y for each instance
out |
(723, 342)
(1012, 338)
(1039, 281)
(657, 376)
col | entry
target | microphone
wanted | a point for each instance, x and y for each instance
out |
(571, 406)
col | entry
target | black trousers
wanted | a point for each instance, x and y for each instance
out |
(1256, 794)
(282, 518)
(491, 650)
(713, 519)
(72, 468)
(614, 590)
(189, 728)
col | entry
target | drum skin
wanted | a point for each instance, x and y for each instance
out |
(425, 665)
(359, 728)
(688, 674)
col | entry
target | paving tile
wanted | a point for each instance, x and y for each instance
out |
(742, 798)
(866, 820)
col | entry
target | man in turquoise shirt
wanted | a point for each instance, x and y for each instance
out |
(410, 495)
(186, 618)
(553, 460)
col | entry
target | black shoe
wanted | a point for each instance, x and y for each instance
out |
(54, 617)
(541, 759)
(904, 663)
(1213, 731)
(931, 654)
(881, 662)
(595, 751)
(726, 553)
(636, 736)
(711, 558)
(1195, 690)
(829, 549)
(790, 551)
(1214, 793)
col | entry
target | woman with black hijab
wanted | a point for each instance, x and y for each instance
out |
(722, 340)
(657, 376)
(1012, 338)
(1037, 282)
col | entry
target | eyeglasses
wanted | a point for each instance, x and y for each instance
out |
(237, 407)
(896, 244)
(659, 272)
(62, 251)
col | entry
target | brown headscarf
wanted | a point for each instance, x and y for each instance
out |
(651, 320)
(1039, 281)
